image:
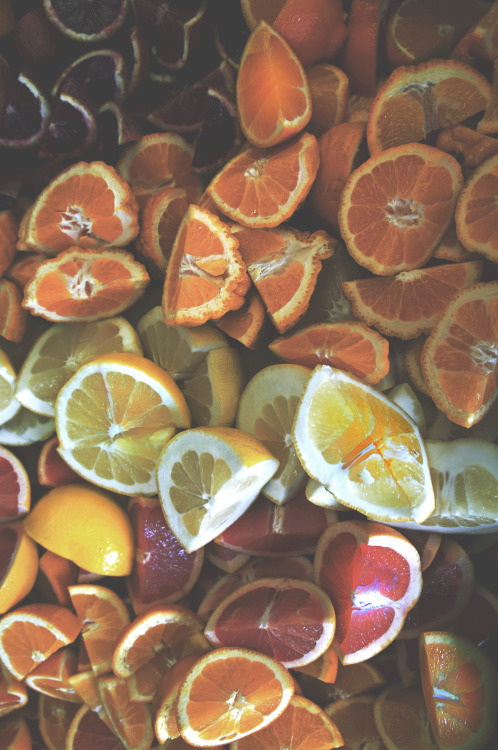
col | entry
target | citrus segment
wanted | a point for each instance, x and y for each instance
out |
(13, 693)
(266, 410)
(476, 214)
(261, 10)
(15, 487)
(401, 718)
(9, 405)
(55, 574)
(212, 392)
(362, 51)
(273, 97)
(12, 314)
(396, 206)
(263, 187)
(52, 470)
(230, 693)
(59, 352)
(409, 303)
(88, 204)
(51, 677)
(161, 217)
(130, 719)
(26, 428)
(206, 276)
(15, 734)
(113, 418)
(66, 518)
(54, 719)
(459, 359)
(18, 565)
(329, 91)
(362, 448)
(82, 284)
(292, 621)
(245, 324)
(207, 477)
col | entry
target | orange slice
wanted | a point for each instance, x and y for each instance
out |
(163, 705)
(329, 91)
(412, 733)
(13, 317)
(315, 29)
(157, 161)
(347, 345)
(396, 206)
(51, 677)
(459, 359)
(162, 215)
(15, 734)
(467, 144)
(273, 97)
(88, 204)
(13, 693)
(246, 323)
(15, 492)
(54, 719)
(360, 55)
(418, 99)
(8, 238)
(85, 285)
(230, 693)
(489, 122)
(30, 634)
(206, 276)
(451, 249)
(130, 719)
(284, 265)
(18, 565)
(476, 214)
(263, 187)
(409, 303)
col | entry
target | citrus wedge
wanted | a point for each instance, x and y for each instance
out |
(9, 405)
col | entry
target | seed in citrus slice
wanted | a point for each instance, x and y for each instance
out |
(9, 406)
(460, 688)
(163, 704)
(396, 206)
(15, 487)
(409, 303)
(348, 345)
(30, 634)
(292, 621)
(354, 719)
(278, 530)
(447, 586)
(476, 214)
(85, 525)
(401, 718)
(206, 275)
(12, 315)
(88, 730)
(26, 428)
(162, 215)
(207, 477)
(212, 392)
(161, 631)
(113, 418)
(329, 91)
(230, 693)
(85, 285)
(130, 719)
(245, 324)
(362, 448)
(266, 410)
(51, 677)
(263, 187)
(163, 571)
(416, 100)
(13, 693)
(459, 359)
(273, 97)
(61, 350)
(156, 161)
(283, 264)
(88, 204)
(18, 565)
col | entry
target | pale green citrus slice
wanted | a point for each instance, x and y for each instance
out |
(266, 410)
(61, 350)
(363, 448)
(177, 349)
(207, 477)
(113, 418)
(213, 391)
(25, 428)
(9, 405)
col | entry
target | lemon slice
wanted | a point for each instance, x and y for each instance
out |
(177, 349)
(9, 405)
(61, 350)
(25, 428)
(213, 391)
(266, 410)
(113, 418)
(363, 448)
(207, 477)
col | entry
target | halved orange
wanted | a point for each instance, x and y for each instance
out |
(416, 100)
(206, 275)
(459, 359)
(263, 187)
(476, 214)
(273, 97)
(347, 345)
(82, 284)
(88, 204)
(408, 304)
(396, 206)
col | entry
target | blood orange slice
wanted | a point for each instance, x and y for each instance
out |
(354, 561)
(291, 620)
(87, 728)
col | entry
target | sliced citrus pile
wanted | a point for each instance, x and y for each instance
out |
(348, 345)
(113, 418)
(396, 206)
(207, 477)
(459, 359)
(362, 448)
(408, 304)
(263, 187)
(476, 214)
(82, 284)
(15, 492)
(88, 204)
(206, 276)
(59, 352)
